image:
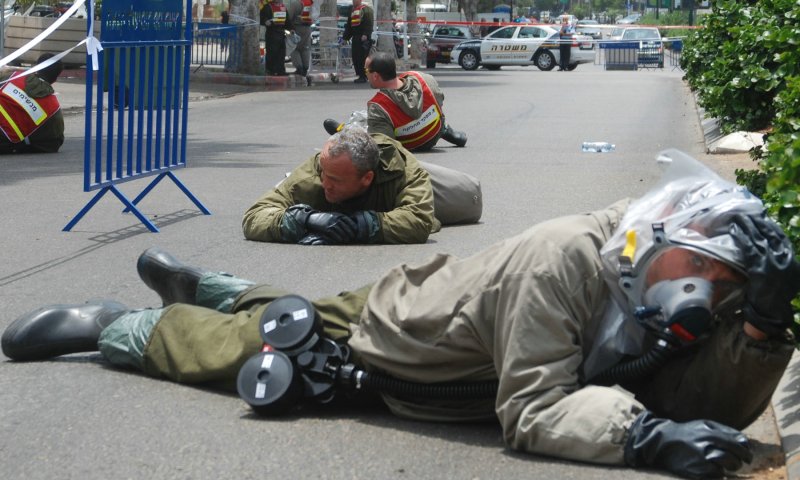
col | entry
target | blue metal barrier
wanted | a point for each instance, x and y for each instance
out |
(619, 55)
(137, 104)
(216, 44)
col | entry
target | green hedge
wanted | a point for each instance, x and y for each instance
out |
(744, 65)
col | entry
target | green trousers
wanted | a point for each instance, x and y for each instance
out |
(196, 344)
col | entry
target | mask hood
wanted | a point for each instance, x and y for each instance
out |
(690, 207)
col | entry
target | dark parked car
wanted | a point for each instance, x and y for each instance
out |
(442, 40)
(650, 52)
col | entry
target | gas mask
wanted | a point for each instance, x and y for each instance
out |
(690, 208)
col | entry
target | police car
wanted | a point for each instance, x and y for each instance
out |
(521, 45)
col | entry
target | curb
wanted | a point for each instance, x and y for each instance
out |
(787, 412)
(221, 77)
(718, 143)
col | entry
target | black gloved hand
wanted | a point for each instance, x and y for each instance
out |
(772, 271)
(696, 449)
(335, 227)
(293, 223)
(313, 239)
(367, 226)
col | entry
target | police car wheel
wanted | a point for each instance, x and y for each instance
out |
(469, 60)
(572, 66)
(545, 60)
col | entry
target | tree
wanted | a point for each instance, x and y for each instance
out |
(249, 59)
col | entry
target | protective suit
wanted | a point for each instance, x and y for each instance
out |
(533, 313)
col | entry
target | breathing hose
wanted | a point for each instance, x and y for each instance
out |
(638, 368)
(355, 379)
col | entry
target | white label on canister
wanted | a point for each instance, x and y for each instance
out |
(267, 362)
(270, 326)
(300, 314)
(261, 390)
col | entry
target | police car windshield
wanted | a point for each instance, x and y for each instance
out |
(505, 32)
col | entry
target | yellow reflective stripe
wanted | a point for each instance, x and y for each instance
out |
(12, 123)
(630, 245)
(424, 133)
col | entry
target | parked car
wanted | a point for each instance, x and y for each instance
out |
(521, 45)
(650, 45)
(43, 11)
(441, 41)
(632, 18)
(616, 33)
(589, 27)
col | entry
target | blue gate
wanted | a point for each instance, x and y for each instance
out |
(137, 102)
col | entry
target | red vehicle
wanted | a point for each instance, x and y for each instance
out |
(442, 40)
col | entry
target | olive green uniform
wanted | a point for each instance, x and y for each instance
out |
(522, 312)
(400, 193)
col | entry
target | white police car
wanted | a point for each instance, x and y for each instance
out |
(521, 45)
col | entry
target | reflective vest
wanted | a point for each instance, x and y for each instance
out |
(278, 14)
(20, 114)
(413, 132)
(305, 14)
(355, 17)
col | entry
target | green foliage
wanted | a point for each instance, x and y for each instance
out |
(745, 66)
(739, 59)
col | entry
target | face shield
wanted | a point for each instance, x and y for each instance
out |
(689, 210)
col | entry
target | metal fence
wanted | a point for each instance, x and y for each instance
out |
(137, 103)
(635, 55)
(216, 44)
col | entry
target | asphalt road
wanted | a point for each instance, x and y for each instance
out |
(76, 417)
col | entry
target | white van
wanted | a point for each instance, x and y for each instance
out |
(431, 7)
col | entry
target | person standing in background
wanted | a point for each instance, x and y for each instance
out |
(274, 16)
(564, 46)
(300, 14)
(359, 29)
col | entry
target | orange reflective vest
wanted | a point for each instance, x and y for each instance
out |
(278, 13)
(413, 132)
(305, 14)
(20, 114)
(355, 17)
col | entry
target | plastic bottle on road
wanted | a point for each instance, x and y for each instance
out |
(599, 147)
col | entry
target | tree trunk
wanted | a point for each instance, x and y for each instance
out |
(384, 26)
(328, 35)
(245, 12)
(417, 50)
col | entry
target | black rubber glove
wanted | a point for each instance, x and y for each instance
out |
(696, 449)
(335, 227)
(772, 271)
(313, 239)
(367, 226)
(293, 223)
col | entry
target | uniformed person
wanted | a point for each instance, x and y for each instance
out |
(275, 17)
(358, 189)
(407, 107)
(708, 281)
(359, 30)
(31, 120)
(300, 14)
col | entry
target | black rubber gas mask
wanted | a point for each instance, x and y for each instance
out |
(681, 308)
